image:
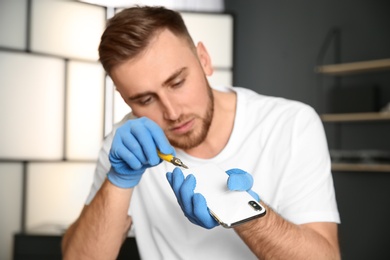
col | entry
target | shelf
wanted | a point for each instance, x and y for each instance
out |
(354, 67)
(360, 167)
(353, 117)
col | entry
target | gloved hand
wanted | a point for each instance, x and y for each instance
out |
(134, 148)
(241, 180)
(194, 205)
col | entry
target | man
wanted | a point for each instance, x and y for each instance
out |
(161, 75)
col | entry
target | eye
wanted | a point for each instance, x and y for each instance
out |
(178, 83)
(146, 100)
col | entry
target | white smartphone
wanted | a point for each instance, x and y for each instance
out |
(229, 208)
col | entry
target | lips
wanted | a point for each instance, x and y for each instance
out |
(183, 127)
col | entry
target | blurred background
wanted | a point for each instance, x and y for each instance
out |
(57, 103)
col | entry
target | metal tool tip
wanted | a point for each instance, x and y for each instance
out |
(176, 161)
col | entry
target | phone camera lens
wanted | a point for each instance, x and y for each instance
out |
(254, 205)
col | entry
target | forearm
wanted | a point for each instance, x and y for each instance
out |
(272, 237)
(100, 229)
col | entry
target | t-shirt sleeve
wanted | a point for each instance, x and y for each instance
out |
(308, 190)
(102, 167)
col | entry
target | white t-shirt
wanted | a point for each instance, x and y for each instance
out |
(280, 142)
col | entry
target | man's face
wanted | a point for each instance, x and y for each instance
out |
(167, 83)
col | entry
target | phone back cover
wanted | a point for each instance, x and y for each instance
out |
(228, 207)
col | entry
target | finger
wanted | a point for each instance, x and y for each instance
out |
(145, 139)
(254, 195)
(186, 193)
(239, 180)
(169, 178)
(235, 171)
(186, 198)
(122, 154)
(159, 137)
(131, 144)
(176, 179)
(177, 182)
(202, 212)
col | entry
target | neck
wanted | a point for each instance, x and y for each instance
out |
(221, 126)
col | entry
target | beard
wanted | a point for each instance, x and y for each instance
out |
(195, 137)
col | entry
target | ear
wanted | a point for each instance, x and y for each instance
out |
(204, 59)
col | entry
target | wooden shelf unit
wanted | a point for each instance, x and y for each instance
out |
(360, 167)
(354, 67)
(354, 117)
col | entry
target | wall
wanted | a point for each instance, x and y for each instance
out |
(49, 136)
(56, 106)
(277, 42)
(276, 49)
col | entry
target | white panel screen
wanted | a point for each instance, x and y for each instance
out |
(85, 108)
(10, 201)
(13, 15)
(120, 107)
(31, 106)
(115, 108)
(67, 28)
(221, 78)
(56, 192)
(216, 32)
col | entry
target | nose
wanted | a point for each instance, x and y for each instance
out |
(171, 111)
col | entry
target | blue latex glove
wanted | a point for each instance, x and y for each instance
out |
(194, 205)
(134, 148)
(241, 180)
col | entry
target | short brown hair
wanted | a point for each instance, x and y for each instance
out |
(129, 32)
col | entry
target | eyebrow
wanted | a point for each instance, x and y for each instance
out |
(174, 75)
(166, 82)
